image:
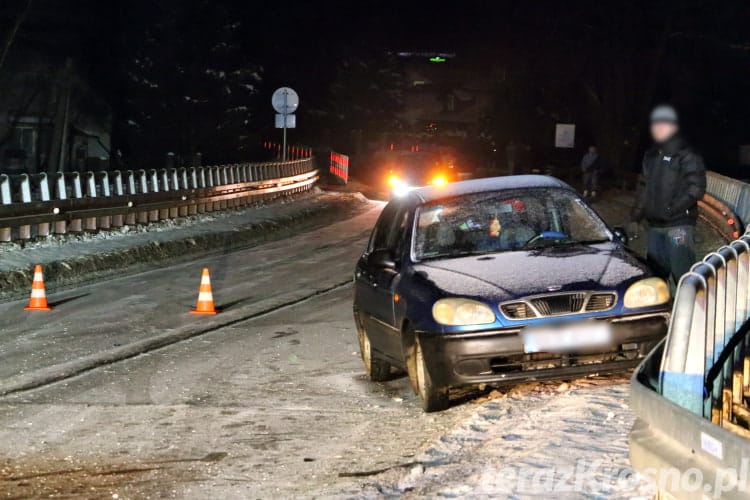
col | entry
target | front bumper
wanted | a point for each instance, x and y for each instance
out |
(497, 356)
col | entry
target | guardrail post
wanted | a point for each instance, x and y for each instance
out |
(75, 225)
(182, 185)
(5, 199)
(201, 207)
(236, 179)
(142, 216)
(225, 174)
(242, 178)
(193, 178)
(105, 221)
(130, 183)
(212, 179)
(42, 229)
(192, 208)
(153, 215)
(89, 223)
(117, 219)
(202, 177)
(24, 232)
(679, 377)
(61, 189)
(165, 213)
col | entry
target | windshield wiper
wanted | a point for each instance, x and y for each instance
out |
(587, 242)
(463, 253)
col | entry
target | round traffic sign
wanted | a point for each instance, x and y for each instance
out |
(285, 101)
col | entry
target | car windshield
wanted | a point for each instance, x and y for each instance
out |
(505, 221)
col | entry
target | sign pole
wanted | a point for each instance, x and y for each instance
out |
(285, 101)
(283, 154)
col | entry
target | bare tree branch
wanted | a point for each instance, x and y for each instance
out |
(13, 32)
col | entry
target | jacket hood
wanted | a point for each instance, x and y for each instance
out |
(510, 275)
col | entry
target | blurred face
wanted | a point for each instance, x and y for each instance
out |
(663, 131)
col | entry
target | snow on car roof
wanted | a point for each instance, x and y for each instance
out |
(487, 184)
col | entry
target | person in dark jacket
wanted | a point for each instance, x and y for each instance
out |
(590, 166)
(673, 180)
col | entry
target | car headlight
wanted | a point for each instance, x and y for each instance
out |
(439, 180)
(647, 292)
(394, 180)
(461, 312)
(401, 190)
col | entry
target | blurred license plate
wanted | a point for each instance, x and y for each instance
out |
(566, 337)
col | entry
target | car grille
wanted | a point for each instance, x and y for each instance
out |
(601, 302)
(559, 304)
(544, 361)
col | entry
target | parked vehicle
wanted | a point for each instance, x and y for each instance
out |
(501, 280)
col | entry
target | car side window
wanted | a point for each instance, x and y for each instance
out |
(401, 232)
(390, 229)
(381, 233)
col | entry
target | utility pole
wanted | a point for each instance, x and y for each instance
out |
(60, 128)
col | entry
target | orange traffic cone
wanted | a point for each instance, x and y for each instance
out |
(205, 296)
(38, 301)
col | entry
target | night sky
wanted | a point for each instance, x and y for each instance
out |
(601, 65)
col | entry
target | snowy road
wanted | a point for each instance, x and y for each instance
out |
(268, 398)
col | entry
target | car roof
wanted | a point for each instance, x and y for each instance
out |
(485, 185)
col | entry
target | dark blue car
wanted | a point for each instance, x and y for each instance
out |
(497, 281)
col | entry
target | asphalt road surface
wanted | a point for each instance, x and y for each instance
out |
(268, 398)
(272, 405)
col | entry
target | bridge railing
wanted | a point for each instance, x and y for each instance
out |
(726, 206)
(691, 394)
(39, 205)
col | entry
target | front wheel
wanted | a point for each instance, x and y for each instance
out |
(433, 398)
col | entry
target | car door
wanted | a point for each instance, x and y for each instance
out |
(375, 282)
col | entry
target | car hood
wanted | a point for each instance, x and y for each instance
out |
(509, 275)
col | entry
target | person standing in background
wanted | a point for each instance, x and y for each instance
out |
(590, 165)
(673, 180)
(511, 156)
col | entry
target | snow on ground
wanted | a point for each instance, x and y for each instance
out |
(21, 255)
(566, 440)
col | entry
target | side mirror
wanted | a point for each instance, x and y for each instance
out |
(382, 259)
(621, 235)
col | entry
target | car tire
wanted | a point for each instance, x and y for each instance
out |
(433, 398)
(376, 369)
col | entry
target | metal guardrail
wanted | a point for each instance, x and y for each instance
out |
(726, 197)
(691, 394)
(38, 205)
(733, 192)
(720, 217)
